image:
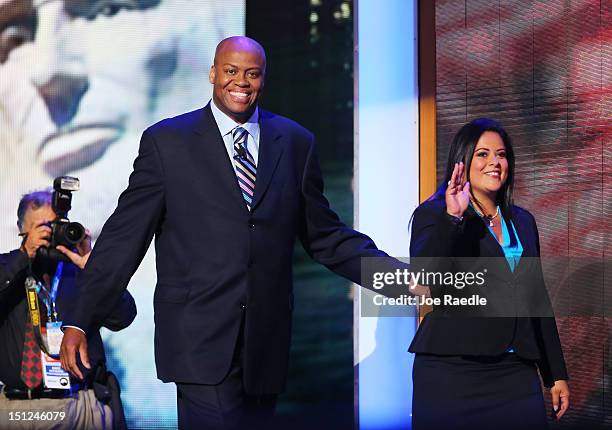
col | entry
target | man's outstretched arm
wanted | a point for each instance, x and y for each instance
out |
(332, 243)
(122, 244)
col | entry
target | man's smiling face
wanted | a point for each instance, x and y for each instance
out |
(238, 77)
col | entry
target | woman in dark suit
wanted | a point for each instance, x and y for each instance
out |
(476, 367)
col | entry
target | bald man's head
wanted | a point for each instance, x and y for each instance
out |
(237, 76)
(241, 43)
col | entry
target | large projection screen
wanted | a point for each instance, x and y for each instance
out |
(78, 85)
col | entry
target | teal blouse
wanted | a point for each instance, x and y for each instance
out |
(512, 253)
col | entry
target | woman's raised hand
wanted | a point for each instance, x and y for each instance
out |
(457, 192)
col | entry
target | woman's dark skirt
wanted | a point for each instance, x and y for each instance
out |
(458, 392)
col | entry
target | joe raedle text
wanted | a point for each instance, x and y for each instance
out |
(446, 300)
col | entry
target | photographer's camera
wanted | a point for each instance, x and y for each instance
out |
(63, 231)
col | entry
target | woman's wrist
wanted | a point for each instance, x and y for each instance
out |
(458, 216)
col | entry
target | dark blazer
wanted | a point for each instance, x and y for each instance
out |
(518, 312)
(14, 314)
(218, 263)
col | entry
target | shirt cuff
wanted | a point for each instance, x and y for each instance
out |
(454, 219)
(73, 326)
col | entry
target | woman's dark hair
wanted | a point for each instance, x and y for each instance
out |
(462, 149)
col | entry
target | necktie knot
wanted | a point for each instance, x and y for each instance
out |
(239, 135)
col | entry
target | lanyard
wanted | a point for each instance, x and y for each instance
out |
(32, 296)
(49, 296)
(55, 286)
(32, 291)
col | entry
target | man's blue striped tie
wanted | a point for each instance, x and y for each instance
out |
(246, 171)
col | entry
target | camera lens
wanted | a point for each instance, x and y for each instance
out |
(73, 233)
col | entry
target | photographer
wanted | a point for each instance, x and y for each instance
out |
(91, 402)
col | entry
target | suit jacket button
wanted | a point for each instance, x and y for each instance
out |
(242, 306)
(251, 224)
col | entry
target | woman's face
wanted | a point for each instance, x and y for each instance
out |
(489, 169)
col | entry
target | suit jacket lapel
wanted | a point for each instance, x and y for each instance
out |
(527, 241)
(270, 150)
(213, 155)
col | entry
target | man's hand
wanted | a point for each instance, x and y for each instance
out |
(35, 238)
(74, 341)
(560, 394)
(83, 248)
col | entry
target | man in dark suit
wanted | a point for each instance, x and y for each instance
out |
(225, 190)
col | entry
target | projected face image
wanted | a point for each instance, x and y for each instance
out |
(71, 88)
(80, 80)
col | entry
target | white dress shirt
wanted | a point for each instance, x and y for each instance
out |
(226, 125)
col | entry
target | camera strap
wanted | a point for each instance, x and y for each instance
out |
(34, 310)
